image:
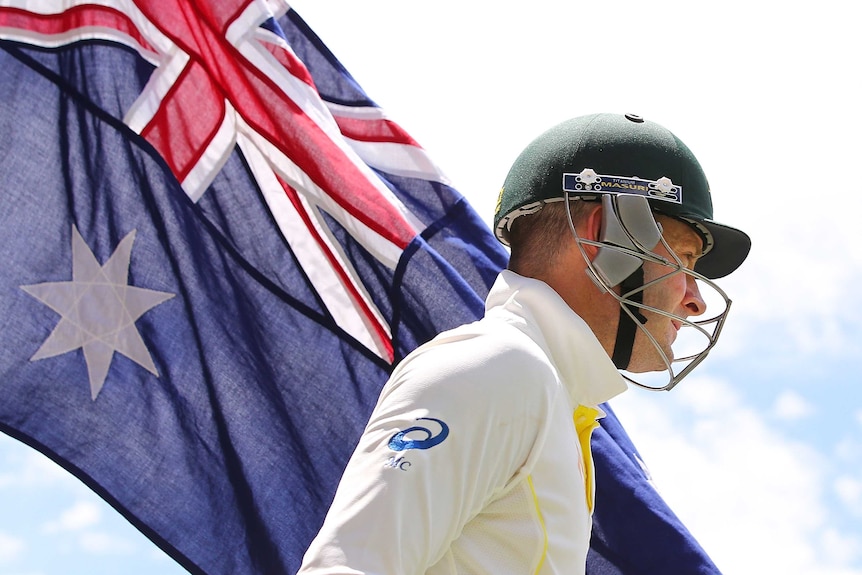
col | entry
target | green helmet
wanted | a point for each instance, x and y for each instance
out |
(621, 155)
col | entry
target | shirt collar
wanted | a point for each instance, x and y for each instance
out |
(583, 364)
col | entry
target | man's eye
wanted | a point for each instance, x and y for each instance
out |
(688, 259)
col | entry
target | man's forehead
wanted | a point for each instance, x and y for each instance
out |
(680, 235)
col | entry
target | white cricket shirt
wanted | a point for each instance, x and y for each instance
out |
(471, 462)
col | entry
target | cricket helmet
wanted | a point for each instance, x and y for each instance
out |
(620, 155)
(637, 169)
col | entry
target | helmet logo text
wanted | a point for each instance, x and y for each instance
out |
(588, 181)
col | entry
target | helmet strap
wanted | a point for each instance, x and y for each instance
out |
(627, 327)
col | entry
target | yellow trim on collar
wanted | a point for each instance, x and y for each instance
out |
(585, 419)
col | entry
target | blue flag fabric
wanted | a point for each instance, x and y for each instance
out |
(634, 530)
(171, 339)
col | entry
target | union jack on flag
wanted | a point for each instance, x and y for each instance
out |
(215, 247)
(224, 78)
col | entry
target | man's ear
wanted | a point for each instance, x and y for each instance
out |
(590, 227)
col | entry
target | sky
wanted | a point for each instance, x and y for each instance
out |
(759, 451)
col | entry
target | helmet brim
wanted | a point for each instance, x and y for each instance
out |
(730, 248)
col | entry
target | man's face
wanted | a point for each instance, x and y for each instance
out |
(677, 294)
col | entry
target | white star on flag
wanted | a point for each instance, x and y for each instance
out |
(98, 311)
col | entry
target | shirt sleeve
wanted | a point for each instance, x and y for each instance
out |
(452, 430)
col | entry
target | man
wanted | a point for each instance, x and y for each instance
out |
(476, 458)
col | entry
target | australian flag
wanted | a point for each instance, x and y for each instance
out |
(215, 247)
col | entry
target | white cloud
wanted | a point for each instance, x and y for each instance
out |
(848, 449)
(77, 528)
(840, 549)
(791, 406)
(753, 498)
(102, 543)
(23, 467)
(849, 491)
(10, 547)
(82, 515)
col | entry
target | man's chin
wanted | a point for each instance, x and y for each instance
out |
(649, 363)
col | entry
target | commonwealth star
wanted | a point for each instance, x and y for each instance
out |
(98, 311)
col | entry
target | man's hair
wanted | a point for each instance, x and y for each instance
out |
(537, 239)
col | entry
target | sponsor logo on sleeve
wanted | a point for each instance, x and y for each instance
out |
(416, 437)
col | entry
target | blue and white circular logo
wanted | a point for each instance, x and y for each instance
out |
(400, 441)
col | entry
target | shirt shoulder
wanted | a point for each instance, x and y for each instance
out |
(488, 379)
(486, 357)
